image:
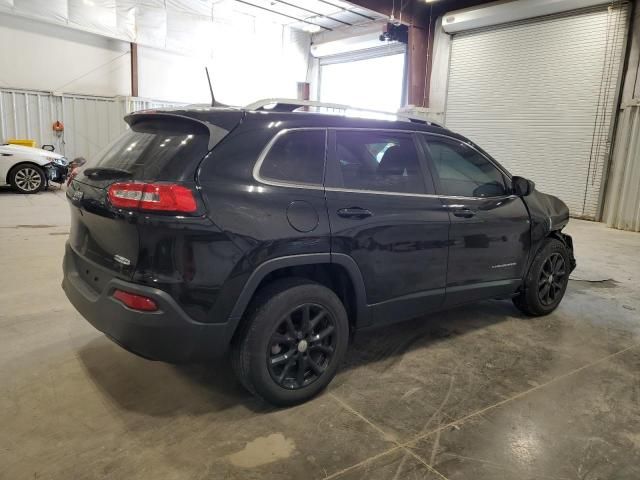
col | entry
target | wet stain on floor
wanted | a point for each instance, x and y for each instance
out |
(263, 450)
(608, 283)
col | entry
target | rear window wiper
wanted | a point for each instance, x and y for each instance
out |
(102, 173)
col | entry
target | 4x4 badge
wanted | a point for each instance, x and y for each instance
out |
(77, 195)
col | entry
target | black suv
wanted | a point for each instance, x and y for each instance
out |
(275, 234)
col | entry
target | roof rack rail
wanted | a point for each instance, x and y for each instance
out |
(289, 105)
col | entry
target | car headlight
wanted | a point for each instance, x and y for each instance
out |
(59, 161)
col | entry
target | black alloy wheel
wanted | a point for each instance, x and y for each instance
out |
(551, 279)
(291, 342)
(546, 281)
(302, 346)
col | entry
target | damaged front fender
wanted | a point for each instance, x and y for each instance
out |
(549, 215)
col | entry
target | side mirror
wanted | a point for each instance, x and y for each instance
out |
(77, 162)
(521, 186)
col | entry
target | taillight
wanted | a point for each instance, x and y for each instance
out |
(136, 302)
(163, 197)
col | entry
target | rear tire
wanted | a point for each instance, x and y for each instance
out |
(292, 341)
(27, 178)
(547, 280)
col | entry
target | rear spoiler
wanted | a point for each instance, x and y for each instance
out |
(226, 119)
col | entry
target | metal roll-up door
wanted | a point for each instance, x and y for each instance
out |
(539, 95)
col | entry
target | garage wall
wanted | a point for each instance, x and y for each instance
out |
(52, 72)
(38, 56)
(260, 60)
(623, 201)
(540, 95)
(622, 206)
(169, 75)
(249, 56)
(439, 77)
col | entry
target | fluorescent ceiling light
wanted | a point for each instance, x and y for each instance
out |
(311, 28)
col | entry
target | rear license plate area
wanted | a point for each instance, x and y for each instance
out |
(95, 278)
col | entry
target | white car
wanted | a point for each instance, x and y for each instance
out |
(29, 170)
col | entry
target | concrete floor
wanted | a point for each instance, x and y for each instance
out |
(476, 393)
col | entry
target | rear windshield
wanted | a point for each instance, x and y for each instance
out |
(155, 149)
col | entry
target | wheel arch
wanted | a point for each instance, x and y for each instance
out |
(563, 237)
(25, 162)
(556, 234)
(568, 242)
(337, 272)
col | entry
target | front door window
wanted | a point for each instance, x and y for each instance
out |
(379, 161)
(462, 171)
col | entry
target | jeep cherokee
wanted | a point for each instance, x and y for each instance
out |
(275, 234)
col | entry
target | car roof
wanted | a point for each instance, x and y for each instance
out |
(295, 119)
(329, 120)
(228, 117)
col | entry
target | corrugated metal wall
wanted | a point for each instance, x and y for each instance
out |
(623, 198)
(133, 104)
(90, 122)
(622, 205)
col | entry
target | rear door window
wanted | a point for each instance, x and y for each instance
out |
(297, 156)
(379, 161)
(154, 149)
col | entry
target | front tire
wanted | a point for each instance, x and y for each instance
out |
(27, 178)
(292, 342)
(547, 280)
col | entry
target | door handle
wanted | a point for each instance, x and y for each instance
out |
(354, 212)
(464, 213)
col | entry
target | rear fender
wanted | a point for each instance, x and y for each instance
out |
(264, 269)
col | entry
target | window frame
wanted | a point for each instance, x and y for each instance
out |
(506, 176)
(284, 183)
(333, 174)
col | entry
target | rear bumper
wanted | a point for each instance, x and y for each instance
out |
(167, 334)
